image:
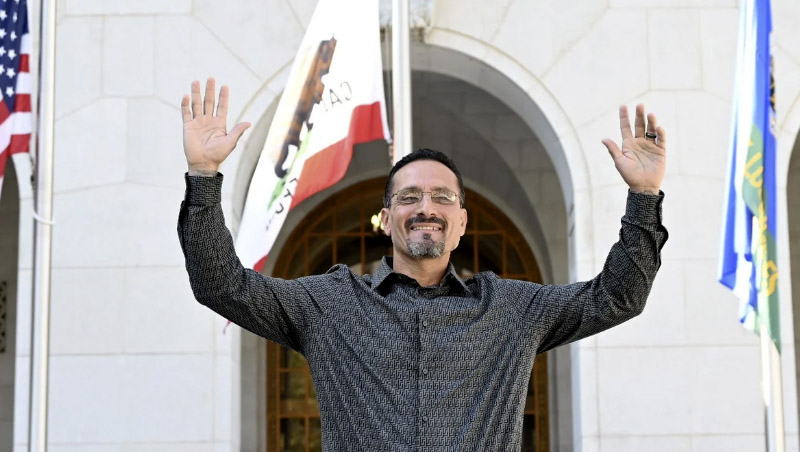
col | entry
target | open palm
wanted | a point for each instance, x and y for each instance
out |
(641, 161)
(206, 140)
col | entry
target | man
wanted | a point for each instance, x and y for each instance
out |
(414, 357)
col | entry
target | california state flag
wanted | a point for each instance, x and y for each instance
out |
(332, 101)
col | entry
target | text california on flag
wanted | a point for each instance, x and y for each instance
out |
(749, 252)
(15, 88)
(333, 100)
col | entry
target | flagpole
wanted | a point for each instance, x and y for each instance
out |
(43, 233)
(772, 386)
(401, 81)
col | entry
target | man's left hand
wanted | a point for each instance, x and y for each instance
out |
(642, 159)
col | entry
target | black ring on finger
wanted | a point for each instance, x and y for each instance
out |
(650, 136)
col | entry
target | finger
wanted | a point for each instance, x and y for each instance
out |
(639, 121)
(197, 102)
(208, 104)
(222, 107)
(652, 126)
(624, 123)
(661, 137)
(612, 147)
(185, 113)
(652, 123)
(237, 132)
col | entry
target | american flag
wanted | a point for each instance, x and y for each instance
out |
(15, 81)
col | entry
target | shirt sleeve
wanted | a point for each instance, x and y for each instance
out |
(560, 314)
(277, 309)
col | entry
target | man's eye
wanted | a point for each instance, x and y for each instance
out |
(409, 199)
(443, 198)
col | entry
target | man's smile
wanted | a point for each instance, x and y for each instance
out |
(426, 228)
(421, 223)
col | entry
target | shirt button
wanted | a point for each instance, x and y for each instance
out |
(425, 370)
(425, 323)
(424, 418)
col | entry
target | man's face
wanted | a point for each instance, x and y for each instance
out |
(426, 229)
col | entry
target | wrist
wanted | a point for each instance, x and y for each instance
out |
(646, 190)
(203, 170)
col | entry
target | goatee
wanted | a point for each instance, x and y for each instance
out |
(426, 248)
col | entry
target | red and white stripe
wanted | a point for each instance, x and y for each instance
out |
(15, 127)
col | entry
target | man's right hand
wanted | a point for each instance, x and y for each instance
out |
(206, 141)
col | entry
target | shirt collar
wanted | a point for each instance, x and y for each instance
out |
(385, 270)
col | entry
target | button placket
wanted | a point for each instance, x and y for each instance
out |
(423, 368)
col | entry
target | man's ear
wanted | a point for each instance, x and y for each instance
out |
(387, 225)
(463, 221)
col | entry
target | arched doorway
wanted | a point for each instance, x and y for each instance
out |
(793, 216)
(342, 230)
(9, 251)
(507, 149)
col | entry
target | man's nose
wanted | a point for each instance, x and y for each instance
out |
(426, 206)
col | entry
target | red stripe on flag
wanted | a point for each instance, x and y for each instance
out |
(24, 64)
(328, 166)
(22, 103)
(19, 143)
(4, 113)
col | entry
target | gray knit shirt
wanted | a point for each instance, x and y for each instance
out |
(399, 367)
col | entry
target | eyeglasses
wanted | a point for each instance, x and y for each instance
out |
(411, 196)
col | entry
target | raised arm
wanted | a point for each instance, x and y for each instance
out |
(561, 314)
(277, 309)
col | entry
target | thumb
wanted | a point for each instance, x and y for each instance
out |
(612, 147)
(237, 132)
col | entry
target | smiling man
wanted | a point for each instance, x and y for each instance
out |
(415, 357)
(425, 216)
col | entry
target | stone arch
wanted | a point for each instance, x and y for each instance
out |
(533, 105)
(527, 176)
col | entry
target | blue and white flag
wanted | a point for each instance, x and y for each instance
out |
(748, 261)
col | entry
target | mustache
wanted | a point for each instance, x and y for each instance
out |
(413, 220)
